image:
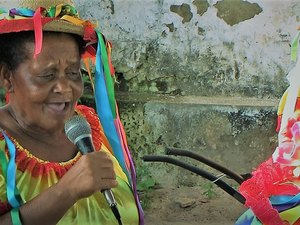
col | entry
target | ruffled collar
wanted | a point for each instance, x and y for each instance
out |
(27, 162)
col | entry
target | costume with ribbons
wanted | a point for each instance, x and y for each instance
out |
(98, 54)
(16, 185)
(273, 192)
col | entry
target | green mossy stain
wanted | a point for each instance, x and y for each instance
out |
(171, 27)
(184, 11)
(236, 11)
(201, 5)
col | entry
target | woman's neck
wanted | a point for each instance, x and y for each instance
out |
(50, 146)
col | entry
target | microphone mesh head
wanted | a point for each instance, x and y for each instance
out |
(76, 126)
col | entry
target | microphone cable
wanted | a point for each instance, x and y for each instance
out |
(112, 204)
(117, 214)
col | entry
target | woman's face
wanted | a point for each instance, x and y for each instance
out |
(45, 89)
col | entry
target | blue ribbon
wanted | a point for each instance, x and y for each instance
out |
(284, 202)
(21, 12)
(104, 111)
(13, 195)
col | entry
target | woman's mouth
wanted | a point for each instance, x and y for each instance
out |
(59, 107)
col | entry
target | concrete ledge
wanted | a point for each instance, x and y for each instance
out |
(202, 100)
(238, 133)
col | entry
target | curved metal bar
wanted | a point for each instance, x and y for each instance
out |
(231, 191)
(176, 151)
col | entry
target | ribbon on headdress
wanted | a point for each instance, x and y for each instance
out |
(38, 31)
(105, 104)
(61, 10)
(21, 12)
(13, 195)
(9, 171)
(107, 111)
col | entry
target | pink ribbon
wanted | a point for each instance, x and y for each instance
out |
(38, 33)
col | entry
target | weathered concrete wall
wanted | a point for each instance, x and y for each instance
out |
(174, 58)
(238, 133)
(198, 47)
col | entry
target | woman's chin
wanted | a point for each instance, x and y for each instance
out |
(57, 114)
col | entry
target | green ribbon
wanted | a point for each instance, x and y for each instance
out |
(51, 12)
(108, 78)
(2, 11)
(15, 216)
(295, 46)
(65, 10)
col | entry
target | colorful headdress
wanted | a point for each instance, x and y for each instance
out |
(62, 16)
(44, 15)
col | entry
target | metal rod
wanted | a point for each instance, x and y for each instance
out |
(176, 151)
(231, 191)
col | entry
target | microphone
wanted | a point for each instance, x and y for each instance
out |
(78, 132)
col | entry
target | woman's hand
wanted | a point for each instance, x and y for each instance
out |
(93, 172)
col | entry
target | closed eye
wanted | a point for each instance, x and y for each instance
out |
(47, 77)
(75, 75)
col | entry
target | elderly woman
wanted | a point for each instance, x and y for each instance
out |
(44, 179)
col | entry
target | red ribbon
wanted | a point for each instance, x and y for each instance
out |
(38, 33)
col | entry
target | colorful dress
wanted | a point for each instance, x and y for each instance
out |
(34, 175)
(273, 193)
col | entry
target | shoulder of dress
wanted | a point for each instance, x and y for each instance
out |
(88, 112)
(85, 109)
(93, 119)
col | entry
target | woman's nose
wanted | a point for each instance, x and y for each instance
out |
(62, 84)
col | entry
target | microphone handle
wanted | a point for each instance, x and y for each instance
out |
(85, 145)
(110, 199)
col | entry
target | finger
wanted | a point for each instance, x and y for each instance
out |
(106, 160)
(108, 183)
(107, 173)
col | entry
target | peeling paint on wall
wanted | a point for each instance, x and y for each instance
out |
(201, 31)
(171, 27)
(112, 7)
(194, 51)
(183, 10)
(201, 5)
(236, 11)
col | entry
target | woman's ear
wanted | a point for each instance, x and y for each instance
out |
(5, 78)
